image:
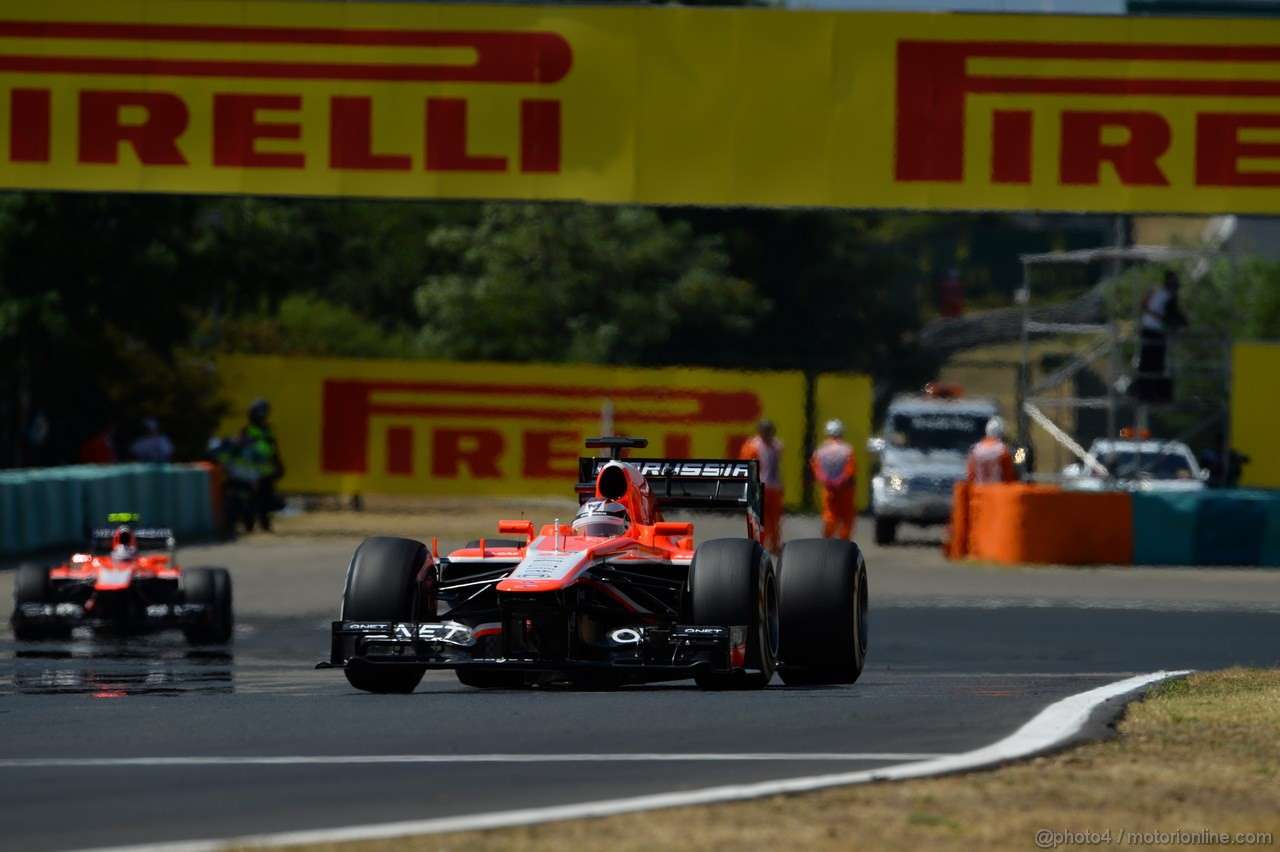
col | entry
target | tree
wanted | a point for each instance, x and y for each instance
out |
(573, 283)
(307, 325)
(93, 305)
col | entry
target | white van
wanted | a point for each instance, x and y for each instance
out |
(923, 449)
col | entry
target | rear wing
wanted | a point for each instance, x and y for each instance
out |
(157, 537)
(708, 484)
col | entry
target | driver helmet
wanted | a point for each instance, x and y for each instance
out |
(601, 518)
(124, 544)
(995, 427)
(835, 428)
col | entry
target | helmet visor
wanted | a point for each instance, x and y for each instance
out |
(605, 526)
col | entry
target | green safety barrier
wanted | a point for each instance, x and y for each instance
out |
(47, 508)
(1212, 527)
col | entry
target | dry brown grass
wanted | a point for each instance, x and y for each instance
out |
(1197, 755)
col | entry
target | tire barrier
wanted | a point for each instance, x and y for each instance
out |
(1041, 524)
(1219, 527)
(46, 508)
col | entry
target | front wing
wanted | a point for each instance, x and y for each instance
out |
(652, 652)
(141, 617)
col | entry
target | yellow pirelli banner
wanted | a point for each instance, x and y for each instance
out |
(642, 105)
(420, 427)
(1254, 368)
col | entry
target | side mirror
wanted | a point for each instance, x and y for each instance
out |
(1204, 475)
(876, 445)
(524, 528)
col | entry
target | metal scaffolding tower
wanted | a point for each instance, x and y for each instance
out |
(1108, 347)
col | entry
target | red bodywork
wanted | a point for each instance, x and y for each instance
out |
(650, 539)
(108, 576)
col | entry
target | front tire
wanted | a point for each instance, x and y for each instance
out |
(732, 582)
(31, 586)
(382, 585)
(211, 587)
(822, 590)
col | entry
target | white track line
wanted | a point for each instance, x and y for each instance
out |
(1053, 727)
(381, 759)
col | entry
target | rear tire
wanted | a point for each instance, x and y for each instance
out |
(382, 585)
(31, 586)
(886, 530)
(731, 582)
(211, 587)
(822, 592)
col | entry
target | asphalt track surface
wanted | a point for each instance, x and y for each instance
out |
(113, 743)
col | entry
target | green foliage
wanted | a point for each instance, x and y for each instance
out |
(1239, 299)
(94, 307)
(842, 285)
(1255, 306)
(311, 326)
(113, 305)
(573, 283)
(102, 296)
(180, 390)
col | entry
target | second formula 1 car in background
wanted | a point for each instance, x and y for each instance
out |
(128, 582)
(618, 596)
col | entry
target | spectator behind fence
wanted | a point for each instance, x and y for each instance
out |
(100, 448)
(152, 445)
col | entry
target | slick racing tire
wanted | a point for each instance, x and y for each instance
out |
(731, 582)
(31, 586)
(822, 606)
(211, 587)
(382, 585)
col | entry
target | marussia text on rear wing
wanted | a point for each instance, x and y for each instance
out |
(688, 483)
(162, 534)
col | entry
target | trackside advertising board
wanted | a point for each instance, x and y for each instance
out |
(642, 105)
(420, 427)
(1254, 368)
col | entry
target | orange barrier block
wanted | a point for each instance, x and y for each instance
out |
(956, 545)
(1016, 524)
(215, 490)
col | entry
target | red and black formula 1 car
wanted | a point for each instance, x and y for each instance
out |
(619, 596)
(117, 587)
